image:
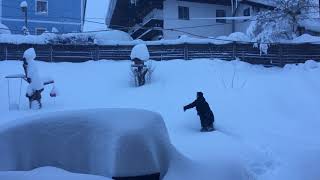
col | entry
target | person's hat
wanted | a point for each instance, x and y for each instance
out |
(200, 94)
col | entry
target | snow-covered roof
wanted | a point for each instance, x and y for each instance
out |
(4, 29)
(311, 24)
(267, 3)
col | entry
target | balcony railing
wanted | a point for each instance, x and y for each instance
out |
(154, 14)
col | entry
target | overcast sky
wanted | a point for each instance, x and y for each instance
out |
(96, 11)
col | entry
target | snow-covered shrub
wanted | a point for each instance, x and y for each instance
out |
(280, 23)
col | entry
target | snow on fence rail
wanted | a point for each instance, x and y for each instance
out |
(278, 54)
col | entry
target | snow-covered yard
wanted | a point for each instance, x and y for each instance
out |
(268, 119)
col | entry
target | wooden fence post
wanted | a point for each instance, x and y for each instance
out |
(281, 55)
(97, 53)
(234, 50)
(186, 51)
(6, 52)
(51, 52)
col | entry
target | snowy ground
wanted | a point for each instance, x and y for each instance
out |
(267, 118)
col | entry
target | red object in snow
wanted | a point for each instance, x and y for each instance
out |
(53, 94)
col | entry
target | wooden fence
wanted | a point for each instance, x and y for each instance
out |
(278, 55)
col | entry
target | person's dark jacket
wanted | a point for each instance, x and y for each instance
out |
(201, 105)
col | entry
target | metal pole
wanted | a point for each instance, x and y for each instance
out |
(9, 95)
(20, 94)
(26, 18)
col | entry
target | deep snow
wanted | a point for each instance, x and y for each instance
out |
(268, 119)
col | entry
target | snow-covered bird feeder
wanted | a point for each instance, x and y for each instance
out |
(139, 55)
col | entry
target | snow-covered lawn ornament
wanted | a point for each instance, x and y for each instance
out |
(32, 76)
(139, 55)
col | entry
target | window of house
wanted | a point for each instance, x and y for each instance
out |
(40, 31)
(184, 13)
(41, 6)
(220, 13)
(246, 12)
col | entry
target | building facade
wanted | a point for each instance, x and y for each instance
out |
(63, 16)
(169, 19)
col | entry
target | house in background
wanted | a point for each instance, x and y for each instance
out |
(145, 19)
(44, 15)
(169, 19)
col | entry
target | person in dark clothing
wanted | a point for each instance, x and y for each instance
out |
(204, 112)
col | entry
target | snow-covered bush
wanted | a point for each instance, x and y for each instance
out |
(281, 23)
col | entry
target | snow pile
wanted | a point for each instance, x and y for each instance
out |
(312, 24)
(106, 142)
(306, 38)
(54, 30)
(141, 52)
(4, 29)
(23, 4)
(111, 36)
(47, 173)
(238, 36)
(309, 65)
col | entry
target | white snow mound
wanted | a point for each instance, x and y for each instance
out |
(141, 52)
(311, 64)
(47, 173)
(105, 142)
(23, 4)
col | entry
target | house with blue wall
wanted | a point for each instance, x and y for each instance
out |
(65, 16)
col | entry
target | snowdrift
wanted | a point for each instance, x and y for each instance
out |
(47, 173)
(103, 142)
(106, 142)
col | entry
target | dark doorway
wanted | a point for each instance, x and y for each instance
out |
(145, 177)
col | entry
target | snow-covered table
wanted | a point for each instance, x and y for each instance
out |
(106, 142)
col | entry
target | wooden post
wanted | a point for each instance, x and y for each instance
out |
(186, 51)
(234, 50)
(97, 53)
(6, 52)
(51, 52)
(281, 55)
